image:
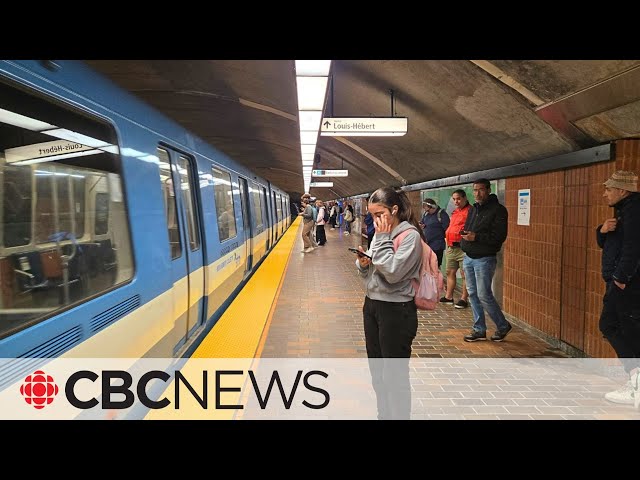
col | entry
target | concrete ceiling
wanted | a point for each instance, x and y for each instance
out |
(463, 116)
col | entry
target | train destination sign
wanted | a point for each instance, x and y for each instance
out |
(330, 173)
(364, 126)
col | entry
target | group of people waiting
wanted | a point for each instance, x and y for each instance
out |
(314, 219)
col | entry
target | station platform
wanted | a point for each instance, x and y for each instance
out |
(309, 306)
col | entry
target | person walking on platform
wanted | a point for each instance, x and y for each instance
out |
(484, 233)
(307, 225)
(389, 311)
(455, 255)
(619, 239)
(434, 223)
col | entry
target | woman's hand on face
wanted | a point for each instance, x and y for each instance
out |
(381, 223)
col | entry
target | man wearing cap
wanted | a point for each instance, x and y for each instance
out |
(434, 223)
(619, 238)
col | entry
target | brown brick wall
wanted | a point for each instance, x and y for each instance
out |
(552, 267)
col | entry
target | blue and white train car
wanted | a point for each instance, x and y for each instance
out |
(121, 233)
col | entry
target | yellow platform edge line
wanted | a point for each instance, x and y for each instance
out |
(238, 332)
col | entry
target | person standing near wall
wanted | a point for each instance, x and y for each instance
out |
(455, 255)
(484, 233)
(619, 238)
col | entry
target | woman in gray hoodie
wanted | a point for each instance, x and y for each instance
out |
(389, 311)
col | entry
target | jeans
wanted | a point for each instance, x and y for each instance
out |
(479, 275)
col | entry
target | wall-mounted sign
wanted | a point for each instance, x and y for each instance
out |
(321, 184)
(330, 173)
(365, 126)
(524, 206)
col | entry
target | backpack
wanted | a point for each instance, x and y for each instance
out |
(326, 215)
(315, 213)
(348, 216)
(431, 280)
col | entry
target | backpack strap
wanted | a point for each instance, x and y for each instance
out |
(439, 215)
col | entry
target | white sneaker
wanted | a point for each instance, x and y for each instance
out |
(347, 233)
(635, 384)
(624, 395)
(308, 250)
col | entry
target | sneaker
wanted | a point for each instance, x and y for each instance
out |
(347, 233)
(499, 335)
(623, 395)
(635, 384)
(446, 300)
(474, 336)
(461, 304)
(308, 250)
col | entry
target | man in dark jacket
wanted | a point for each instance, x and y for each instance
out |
(434, 223)
(484, 233)
(619, 238)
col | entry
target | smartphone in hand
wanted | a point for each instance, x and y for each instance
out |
(359, 253)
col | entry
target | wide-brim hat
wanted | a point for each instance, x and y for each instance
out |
(624, 180)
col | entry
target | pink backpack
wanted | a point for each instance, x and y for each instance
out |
(431, 280)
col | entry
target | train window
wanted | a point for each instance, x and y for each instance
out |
(185, 170)
(257, 206)
(225, 210)
(102, 214)
(170, 209)
(64, 235)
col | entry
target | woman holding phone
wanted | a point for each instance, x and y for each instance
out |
(389, 311)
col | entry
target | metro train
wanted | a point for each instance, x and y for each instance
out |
(122, 235)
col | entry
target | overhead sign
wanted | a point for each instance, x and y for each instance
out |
(321, 184)
(330, 173)
(365, 126)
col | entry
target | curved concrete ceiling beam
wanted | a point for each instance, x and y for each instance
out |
(375, 160)
(494, 71)
(241, 101)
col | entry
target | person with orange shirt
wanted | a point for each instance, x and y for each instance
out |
(455, 255)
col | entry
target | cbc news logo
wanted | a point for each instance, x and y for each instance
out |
(39, 389)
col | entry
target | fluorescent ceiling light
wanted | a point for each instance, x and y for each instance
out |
(21, 121)
(307, 138)
(307, 156)
(307, 162)
(308, 149)
(313, 67)
(77, 137)
(311, 92)
(310, 119)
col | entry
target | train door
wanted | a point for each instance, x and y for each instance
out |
(275, 218)
(265, 202)
(247, 224)
(187, 259)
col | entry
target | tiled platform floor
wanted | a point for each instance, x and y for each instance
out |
(319, 314)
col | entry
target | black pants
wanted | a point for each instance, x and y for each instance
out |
(321, 236)
(389, 330)
(439, 254)
(620, 322)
